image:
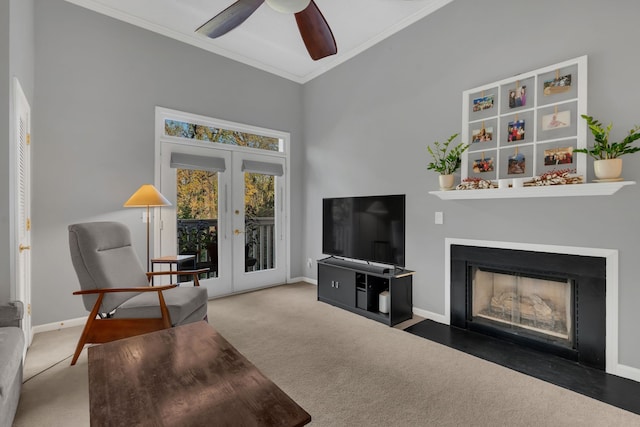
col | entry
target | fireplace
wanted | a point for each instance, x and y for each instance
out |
(554, 302)
(540, 308)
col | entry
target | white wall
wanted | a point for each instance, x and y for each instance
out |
(368, 121)
(98, 81)
(16, 60)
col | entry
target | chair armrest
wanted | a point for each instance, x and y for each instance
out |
(136, 289)
(11, 314)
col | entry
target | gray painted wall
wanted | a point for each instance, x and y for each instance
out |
(16, 60)
(98, 81)
(22, 45)
(5, 135)
(368, 121)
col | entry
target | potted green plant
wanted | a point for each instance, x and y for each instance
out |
(607, 163)
(446, 161)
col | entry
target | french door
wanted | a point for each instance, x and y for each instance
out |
(228, 213)
(22, 141)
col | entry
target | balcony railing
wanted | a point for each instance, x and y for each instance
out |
(199, 237)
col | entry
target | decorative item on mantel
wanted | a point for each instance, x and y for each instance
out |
(476, 184)
(446, 161)
(607, 164)
(555, 177)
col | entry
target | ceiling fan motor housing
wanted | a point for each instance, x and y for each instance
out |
(288, 6)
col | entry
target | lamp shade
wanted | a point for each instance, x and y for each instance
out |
(288, 6)
(147, 195)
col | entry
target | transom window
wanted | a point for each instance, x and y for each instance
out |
(206, 133)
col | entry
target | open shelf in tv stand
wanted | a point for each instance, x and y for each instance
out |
(356, 287)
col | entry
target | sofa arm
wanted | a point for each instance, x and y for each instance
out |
(11, 314)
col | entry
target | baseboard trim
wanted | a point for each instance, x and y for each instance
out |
(303, 279)
(47, 327)
(440, 318)
(627, 372)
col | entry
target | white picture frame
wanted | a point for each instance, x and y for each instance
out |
(570, 95)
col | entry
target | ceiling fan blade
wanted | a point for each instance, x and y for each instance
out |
(315, 32)
(229, 18)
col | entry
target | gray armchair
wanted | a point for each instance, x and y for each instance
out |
(11, 350)
(116, 290)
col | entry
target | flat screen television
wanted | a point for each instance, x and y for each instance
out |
(368, 228)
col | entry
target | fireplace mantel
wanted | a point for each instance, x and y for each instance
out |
(591, 189)
(611, 256)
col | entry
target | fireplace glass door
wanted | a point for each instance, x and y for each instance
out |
(518, 304)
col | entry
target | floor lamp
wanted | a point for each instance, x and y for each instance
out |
(147, 196)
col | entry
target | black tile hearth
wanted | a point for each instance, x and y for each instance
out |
(620, 392)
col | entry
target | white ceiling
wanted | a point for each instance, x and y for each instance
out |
(270, 40)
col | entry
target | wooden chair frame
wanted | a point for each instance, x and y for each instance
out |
(100, 330)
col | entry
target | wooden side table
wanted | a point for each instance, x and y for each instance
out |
(178, 260)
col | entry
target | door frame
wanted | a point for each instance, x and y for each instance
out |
(162, 113)
(18, 292)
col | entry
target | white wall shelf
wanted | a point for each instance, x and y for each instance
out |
(593, 189)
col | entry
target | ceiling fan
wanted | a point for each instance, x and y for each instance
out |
(315, 31)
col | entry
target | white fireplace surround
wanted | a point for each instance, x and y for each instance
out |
(611, 257)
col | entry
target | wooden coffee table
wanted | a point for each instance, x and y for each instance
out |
(184, 376)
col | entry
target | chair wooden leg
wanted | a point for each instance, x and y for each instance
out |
(79, 348)
(164, 311)
(87, 327)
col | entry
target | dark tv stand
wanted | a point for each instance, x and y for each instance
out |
(356, 287)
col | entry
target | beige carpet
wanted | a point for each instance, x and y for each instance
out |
(345, 370)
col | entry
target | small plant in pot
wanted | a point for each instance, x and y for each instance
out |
(607, 163)
(446, 161)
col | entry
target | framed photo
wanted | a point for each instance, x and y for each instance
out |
(558, 120)
(558, 156)
(482, 135)
(515, 130)
(518, 97)
(483, 164)
(558, 85)
(516, 165)
(483, 103)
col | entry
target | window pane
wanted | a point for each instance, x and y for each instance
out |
(259, 201)
(220, 136)
(197, 216)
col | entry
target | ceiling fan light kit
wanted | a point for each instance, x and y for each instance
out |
(314, 29)
(288, 6)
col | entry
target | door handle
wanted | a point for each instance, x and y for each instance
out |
(236, 231)
(23, 248)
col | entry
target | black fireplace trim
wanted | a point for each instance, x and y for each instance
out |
(587, 273)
